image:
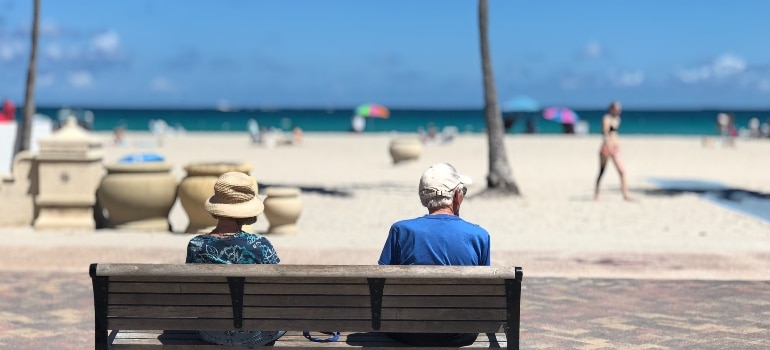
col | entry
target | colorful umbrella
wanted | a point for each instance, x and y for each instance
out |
(372, 110)
(521, 104)
(560, 114)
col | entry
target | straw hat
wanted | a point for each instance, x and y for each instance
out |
(235, 196)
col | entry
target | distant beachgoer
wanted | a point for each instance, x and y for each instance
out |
(723, 129)
(764, 129)
(754, 131)
(732, 131)
(509, 121)
(611, 148)
(532, 125)
(254, 132)
(568, 128)
(297, 137)
(119, 136)
(9, 111)
(358, 123)
(432, 134)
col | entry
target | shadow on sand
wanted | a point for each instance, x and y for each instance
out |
(312, 189)
(752, 203)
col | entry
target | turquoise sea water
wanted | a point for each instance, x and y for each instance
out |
(671, 122)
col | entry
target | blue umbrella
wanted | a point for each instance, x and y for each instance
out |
(141, 158)
(521, 104)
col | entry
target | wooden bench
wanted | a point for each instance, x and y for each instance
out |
(142, 306)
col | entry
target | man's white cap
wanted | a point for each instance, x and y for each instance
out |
(440, 180)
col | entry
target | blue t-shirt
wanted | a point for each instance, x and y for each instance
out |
(439, 239)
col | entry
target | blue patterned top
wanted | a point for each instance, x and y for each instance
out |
(241, 248)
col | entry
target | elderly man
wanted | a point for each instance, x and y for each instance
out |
(439, 238)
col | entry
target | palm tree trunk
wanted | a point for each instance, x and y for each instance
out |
(24, 131)
(500, 178)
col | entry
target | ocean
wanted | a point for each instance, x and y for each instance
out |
(640, 122)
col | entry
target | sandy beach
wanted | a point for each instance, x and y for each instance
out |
(352, 193)
(673, 269)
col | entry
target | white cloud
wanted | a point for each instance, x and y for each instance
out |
(45, 80)
(81, 79)
(223, 104)
(764, 85)
(107, 42)
(724, 66)
(50, 29)
(727, 65)
(593, 50)
(627, 78)
(570, 83)
(162, 84)
(53, 52)
(694, 75)
(10, 51)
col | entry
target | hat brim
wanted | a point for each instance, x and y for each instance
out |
(465, 180)
(248, 209)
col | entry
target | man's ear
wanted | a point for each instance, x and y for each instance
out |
(457, 199)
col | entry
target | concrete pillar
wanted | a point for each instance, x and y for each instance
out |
(17, 191)
(69, 170)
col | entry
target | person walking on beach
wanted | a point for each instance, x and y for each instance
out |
(9, 111)
(611, 149)
(439, 238)
(234, 204)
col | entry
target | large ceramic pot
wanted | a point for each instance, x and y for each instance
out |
(405, 148)
(282, 209)
(196, 188)
(138, 196)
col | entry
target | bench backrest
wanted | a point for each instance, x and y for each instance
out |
(350, 298)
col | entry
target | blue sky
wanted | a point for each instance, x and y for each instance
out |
(402, 53)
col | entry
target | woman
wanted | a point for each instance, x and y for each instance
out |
(234, 204)
(611, 149)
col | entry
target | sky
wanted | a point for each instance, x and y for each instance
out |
(402, 53)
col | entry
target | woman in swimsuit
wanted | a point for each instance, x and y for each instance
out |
(611, 149)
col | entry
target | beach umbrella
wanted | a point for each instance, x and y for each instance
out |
(373, 110)
(141, 158)
(520, 104)
(560, 114)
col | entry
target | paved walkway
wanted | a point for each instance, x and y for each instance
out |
(45, 310)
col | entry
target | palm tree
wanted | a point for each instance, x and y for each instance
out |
(500, 178)
(24, 133)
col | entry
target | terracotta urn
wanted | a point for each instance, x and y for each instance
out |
(282, 209)
(405, 148)
(196, 188)
(138, 196)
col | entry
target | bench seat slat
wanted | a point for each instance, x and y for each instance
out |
(303, 271)
(303, 289)
(248, 300)
(302, 280)
(288, 313)
(223, 288)
(292, 339)
(308, 300)
(293, 313)
(341, 325)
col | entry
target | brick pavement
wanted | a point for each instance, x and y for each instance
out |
(53, 310)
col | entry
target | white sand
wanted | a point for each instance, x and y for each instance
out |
(554, 229)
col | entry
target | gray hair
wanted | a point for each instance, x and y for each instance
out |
(240, 221)
(438, 201)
